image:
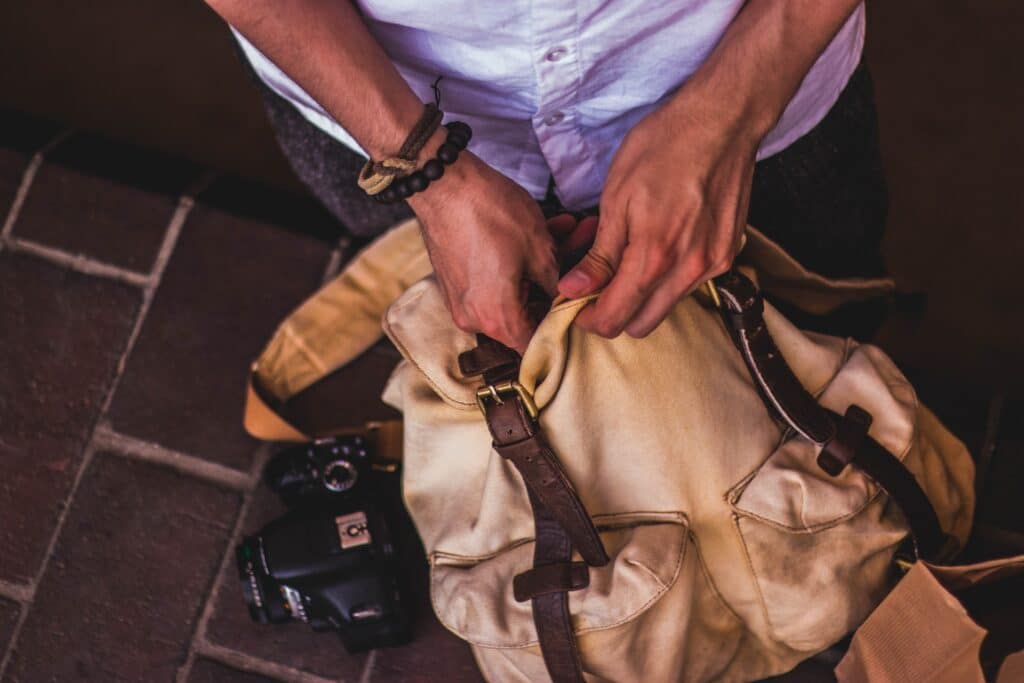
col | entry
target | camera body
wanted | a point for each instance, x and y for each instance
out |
(330, 561)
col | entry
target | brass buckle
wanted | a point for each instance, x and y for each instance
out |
(713, 293)
(495, 392)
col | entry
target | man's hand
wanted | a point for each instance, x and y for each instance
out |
(486, 237)
(675, 201)
(673, 211)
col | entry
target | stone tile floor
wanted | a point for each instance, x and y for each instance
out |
(134, 292)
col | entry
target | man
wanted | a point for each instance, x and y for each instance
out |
(680, 120)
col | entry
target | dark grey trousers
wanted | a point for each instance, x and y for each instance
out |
(823, 198)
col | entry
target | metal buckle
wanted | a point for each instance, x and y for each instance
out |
(495, 392)
(713, 293)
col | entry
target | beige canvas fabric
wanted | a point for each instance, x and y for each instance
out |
(922, 633)
(343, 319)
(733, 556)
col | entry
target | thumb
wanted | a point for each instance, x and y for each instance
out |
(599, 265)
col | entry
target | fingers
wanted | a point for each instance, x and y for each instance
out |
(667, 294)
(561, 225)
(643, 266)
(599, 265)
(582, 234)
(498, 314)
(696, 265)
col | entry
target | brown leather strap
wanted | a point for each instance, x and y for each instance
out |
(518, 437)
(551, 608)
(840, 450)
(488, 358)
(550, 578)
(560, 520)
(843, 440)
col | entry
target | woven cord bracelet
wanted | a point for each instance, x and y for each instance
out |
(406, 185)
(376, 176)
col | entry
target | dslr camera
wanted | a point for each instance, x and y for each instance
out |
(330, 561)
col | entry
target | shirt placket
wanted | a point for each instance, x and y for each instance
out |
(556, 58)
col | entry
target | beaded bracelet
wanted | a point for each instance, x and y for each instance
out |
(459, 135)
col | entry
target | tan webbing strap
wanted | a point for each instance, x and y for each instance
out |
(267, 424)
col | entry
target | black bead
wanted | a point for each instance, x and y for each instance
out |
(402, 187)
(458, 140)
(389, 195)
(448, 153)
(461, 128)
(417, 181)
(433, 169)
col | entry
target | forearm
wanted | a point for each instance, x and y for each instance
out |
(757, 67)
(325, 47)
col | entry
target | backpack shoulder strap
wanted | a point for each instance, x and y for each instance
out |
(844, 440)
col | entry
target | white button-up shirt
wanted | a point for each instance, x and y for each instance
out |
(551, 87)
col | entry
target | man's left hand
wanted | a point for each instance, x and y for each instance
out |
(673, 211)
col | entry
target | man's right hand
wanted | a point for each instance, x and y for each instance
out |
(486, 238)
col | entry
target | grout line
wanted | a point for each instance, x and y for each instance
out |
(163, 257)
(240, 660)
(170, 238)
(198, 641)
(22, 592)
(61, 519)
(105, 437)
(371, 661)
(77, 262)
(26, 182)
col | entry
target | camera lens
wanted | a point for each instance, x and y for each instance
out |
(262, 593)
(340, 475)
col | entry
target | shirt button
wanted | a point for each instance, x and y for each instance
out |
(556, 54)
(555, 118)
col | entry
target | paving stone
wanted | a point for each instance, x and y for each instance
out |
(209, 671)
(293, 644)
(104, 199)
(21, 136)
(9, 612)
(229, 283)
(128, 577)
(435, 654)
(62, 334)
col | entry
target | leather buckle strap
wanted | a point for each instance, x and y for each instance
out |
(557, 577)
(560, 520)
(742, 311)
(488, 357)
(840, 450)
(511, 416)
(551, 607)
(844, 439)
(519, 439)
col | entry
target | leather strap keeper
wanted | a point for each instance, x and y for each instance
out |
(840, 451)
(550, 578)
